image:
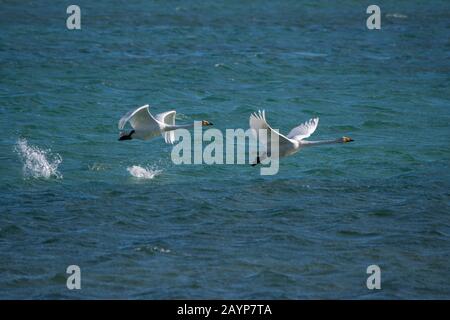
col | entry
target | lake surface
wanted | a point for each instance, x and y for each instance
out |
(141, 227)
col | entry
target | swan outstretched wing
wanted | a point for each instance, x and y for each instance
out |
(304, 130)
(167, 118)
(140, 119)
(258, 122)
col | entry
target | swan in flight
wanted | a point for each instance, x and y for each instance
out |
(291, 143)
(146, 126)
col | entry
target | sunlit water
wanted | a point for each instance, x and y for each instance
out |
(140, 226)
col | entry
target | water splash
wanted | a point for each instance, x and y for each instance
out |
(38, 163)
(143, 172)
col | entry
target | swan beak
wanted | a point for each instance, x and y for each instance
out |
(347, 139)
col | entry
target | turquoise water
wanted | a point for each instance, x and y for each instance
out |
(141, 227)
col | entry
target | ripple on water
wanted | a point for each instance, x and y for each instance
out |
(152, 249)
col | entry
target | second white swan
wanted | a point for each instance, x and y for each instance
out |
(291, 143)
(146, 126)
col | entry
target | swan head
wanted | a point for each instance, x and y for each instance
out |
(346, 139)
(126, 135)
(206, 123)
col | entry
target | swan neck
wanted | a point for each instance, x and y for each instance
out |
(181, 126)
(316, 143)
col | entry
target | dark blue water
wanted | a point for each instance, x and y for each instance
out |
(141, 227)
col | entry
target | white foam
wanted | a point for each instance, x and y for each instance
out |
(38, 163)
(143, 172)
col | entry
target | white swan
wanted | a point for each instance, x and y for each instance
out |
(291, 143)
(146, 126)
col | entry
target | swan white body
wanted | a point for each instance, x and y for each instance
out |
(291, 143)
(147, 126)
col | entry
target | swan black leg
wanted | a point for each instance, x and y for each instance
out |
(257, 161)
